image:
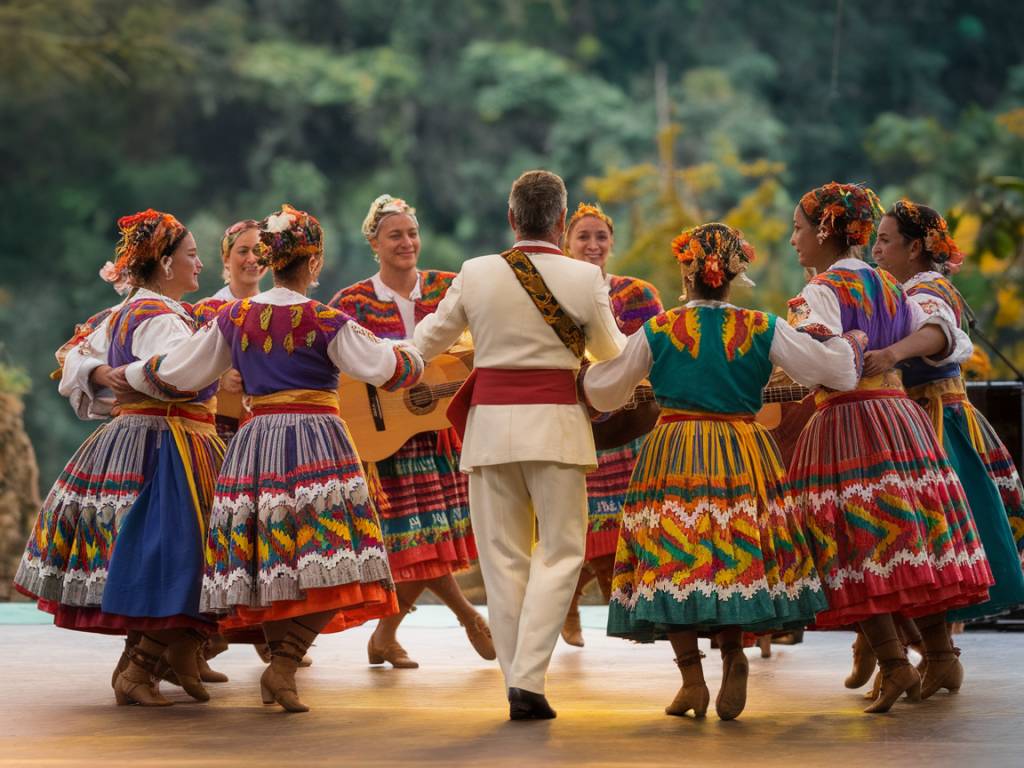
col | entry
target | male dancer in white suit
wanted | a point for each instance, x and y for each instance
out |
(527, 437)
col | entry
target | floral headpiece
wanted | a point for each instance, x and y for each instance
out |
(714, 252)
(147, 236)
(288, 235)
(232, 233)
(847, 211)
(381, 208)
(938, 244)
(582, 211)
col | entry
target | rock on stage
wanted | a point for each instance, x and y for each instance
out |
(59, 709)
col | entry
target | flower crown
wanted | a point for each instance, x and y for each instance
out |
(145, 236)
(714, 252)
(939, 245)
(382, 207)
(846, 211)
(288, 235)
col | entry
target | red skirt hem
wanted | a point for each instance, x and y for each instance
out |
(354, 604)
(601, 544)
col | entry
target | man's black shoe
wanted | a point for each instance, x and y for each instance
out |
(526, 705)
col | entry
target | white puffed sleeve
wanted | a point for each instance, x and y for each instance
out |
(834, 363)
(816, 305)
(927, 309)
(385, 363)
(87, 401)
(193, 362)
(609, 384)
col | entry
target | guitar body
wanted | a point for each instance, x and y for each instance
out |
(770, 415)
(382, 422)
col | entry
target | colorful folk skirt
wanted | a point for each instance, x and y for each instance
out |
(606, 492)
(424, 509)
(292, 529)
(710, 537)
(887, 518)
(67, 560)
(962, 432)
(156, 570)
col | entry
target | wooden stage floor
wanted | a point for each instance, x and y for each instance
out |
(58, 709)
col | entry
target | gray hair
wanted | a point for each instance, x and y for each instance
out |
(537, 201)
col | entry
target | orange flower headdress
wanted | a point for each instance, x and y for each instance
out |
(847, 211)
(923, 223)
(288, 235)
(147, 236)
(714, 252)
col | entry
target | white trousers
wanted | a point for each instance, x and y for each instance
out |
(528, 589)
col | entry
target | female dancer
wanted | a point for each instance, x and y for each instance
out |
(294, 542)
(892, 531)
(590, 236)
(144, 479)
(424, 502)
(710, 541)
(914, 244)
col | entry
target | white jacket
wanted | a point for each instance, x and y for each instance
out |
(509, 332)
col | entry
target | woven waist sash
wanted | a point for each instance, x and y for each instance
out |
(671, 415)
(936, 395)
(886, 385)
(318, 401)
(201, 413)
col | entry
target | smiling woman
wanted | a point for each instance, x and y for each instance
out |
(422, 496)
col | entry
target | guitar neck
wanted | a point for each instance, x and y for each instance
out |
(784, 394)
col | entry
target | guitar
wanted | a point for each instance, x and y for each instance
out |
(770, 415)
(382, 422)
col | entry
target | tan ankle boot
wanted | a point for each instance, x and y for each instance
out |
(182, 657)
(732, 696)
(897, 678)
(864, 662)
(942, 670)
(694, 693)
(206, 673)
(135, 684)
(277, 683)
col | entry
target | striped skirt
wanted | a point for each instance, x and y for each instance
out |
(888, 521)
(967, 437)
(424, 509)
(293, 530)
(68, 558)
(710, 537)
(606, 493)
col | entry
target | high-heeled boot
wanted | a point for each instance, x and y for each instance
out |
(263, 651)
(864, 662)
(135, 683)
(898, 676)
(130, 641)
(942, 661)
(277, 683)
(182, 656)
(694, 693)
(732, 696)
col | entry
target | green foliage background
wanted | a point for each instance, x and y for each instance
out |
(669, 111)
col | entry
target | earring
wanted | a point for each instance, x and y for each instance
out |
(313, 282)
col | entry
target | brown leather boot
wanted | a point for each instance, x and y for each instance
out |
(135, 684)
(864, 662)
(278, 681)
(182, 655)
(732, 696)
(206, 673)
(942, 668)
(694, 693)
(897, 678)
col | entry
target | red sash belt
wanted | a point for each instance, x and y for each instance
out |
(200, 412)
(511, 386)
(858, 395)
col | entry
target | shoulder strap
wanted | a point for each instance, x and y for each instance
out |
(526, 273)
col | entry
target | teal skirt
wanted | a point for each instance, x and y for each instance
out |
(990, 515)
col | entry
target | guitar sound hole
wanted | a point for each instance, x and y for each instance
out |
(420, 400)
